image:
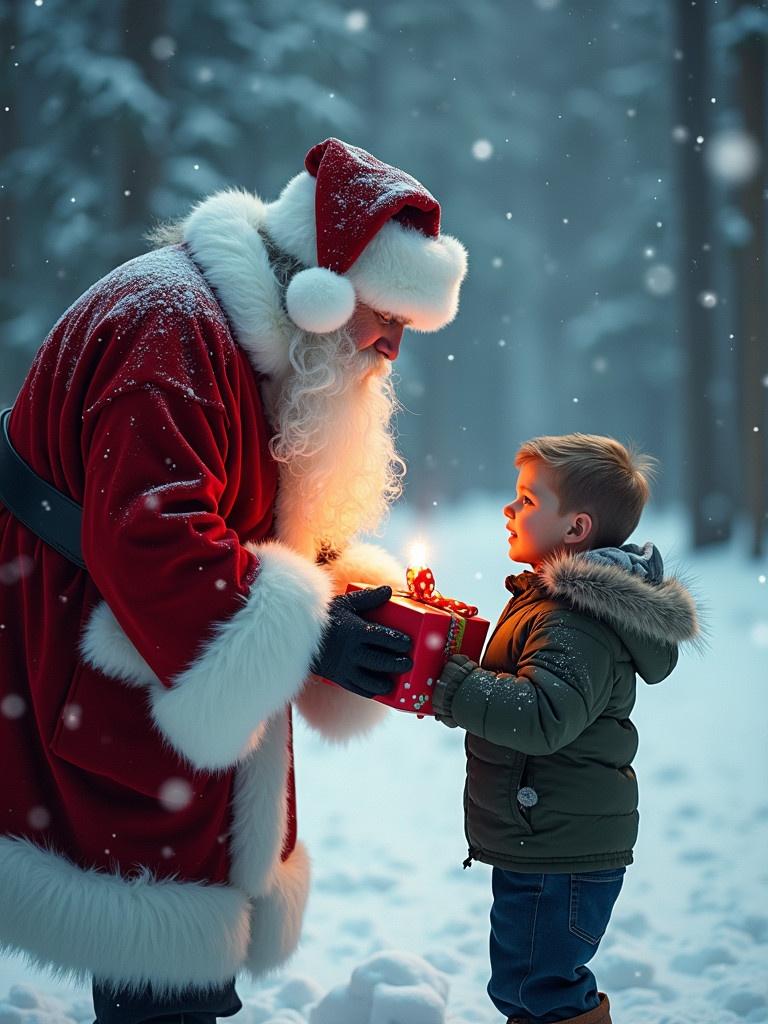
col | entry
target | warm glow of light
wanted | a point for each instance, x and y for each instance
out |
(417, 555)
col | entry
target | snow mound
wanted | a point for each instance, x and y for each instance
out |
(297, 992)
(388, 988)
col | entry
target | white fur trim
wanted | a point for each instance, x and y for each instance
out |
(255, 664)
(79, 923)
(277, 916)
(400, 271)
(319, 301)
(336, 713)
(366, 563)
(404, 272)
(222, 233)
(259, 810)
(290, 220)
(105, 646)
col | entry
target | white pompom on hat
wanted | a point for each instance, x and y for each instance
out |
(366, 231)
(318, 300)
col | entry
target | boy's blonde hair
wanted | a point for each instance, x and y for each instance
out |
(597, 475)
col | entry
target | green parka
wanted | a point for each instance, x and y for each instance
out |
(550, 744)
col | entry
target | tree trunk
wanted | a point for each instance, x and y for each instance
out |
(750, 286)
(709, 507)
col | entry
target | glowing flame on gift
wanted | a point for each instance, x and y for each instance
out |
(418, 555)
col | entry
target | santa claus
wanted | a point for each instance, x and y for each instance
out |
(197, 444)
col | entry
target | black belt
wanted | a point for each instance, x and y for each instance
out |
(42, 508)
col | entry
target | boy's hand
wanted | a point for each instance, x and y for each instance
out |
(455, 671)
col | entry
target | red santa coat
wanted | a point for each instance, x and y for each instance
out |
(148, 811)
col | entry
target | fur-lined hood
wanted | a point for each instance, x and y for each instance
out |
(646, 616)
(665, 611)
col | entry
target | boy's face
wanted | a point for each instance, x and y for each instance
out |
(536, 527)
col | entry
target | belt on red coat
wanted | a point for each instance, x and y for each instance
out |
(42, 508)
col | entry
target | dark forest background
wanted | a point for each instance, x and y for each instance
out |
(603, 163)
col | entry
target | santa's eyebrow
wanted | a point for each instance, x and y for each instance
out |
(391, 316)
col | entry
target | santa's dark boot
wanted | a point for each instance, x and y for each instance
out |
(600, 1015)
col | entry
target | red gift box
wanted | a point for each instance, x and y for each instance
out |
(436, 634)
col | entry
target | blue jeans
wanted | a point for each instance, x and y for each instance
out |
(544, 929)
(192, 1006)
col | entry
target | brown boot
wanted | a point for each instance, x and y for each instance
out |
(600, 1015)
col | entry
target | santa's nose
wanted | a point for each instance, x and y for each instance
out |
(389, 344)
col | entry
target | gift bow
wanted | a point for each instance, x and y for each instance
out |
(421, 587)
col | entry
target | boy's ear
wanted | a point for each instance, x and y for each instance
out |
(580, 528)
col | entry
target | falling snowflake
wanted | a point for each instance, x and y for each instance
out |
(38, 817)
(163, 48)
(17, 569)
(356, 21)
(175, 794)
(660, 279)
(482, 149)
(434, 641)
(72, 716)
(13, 706)
(733, 156)
(708, 300)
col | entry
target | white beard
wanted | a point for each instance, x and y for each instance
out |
(339, 468)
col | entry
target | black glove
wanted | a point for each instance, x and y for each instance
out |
(361, 656)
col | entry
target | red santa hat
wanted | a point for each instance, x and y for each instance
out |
(367, 231)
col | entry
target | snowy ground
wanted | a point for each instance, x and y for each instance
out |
(689, 940)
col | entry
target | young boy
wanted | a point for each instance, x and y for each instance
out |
(551, 798)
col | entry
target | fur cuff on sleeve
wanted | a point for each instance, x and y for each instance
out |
(337, 714)
(256, 663)
(366, 563)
